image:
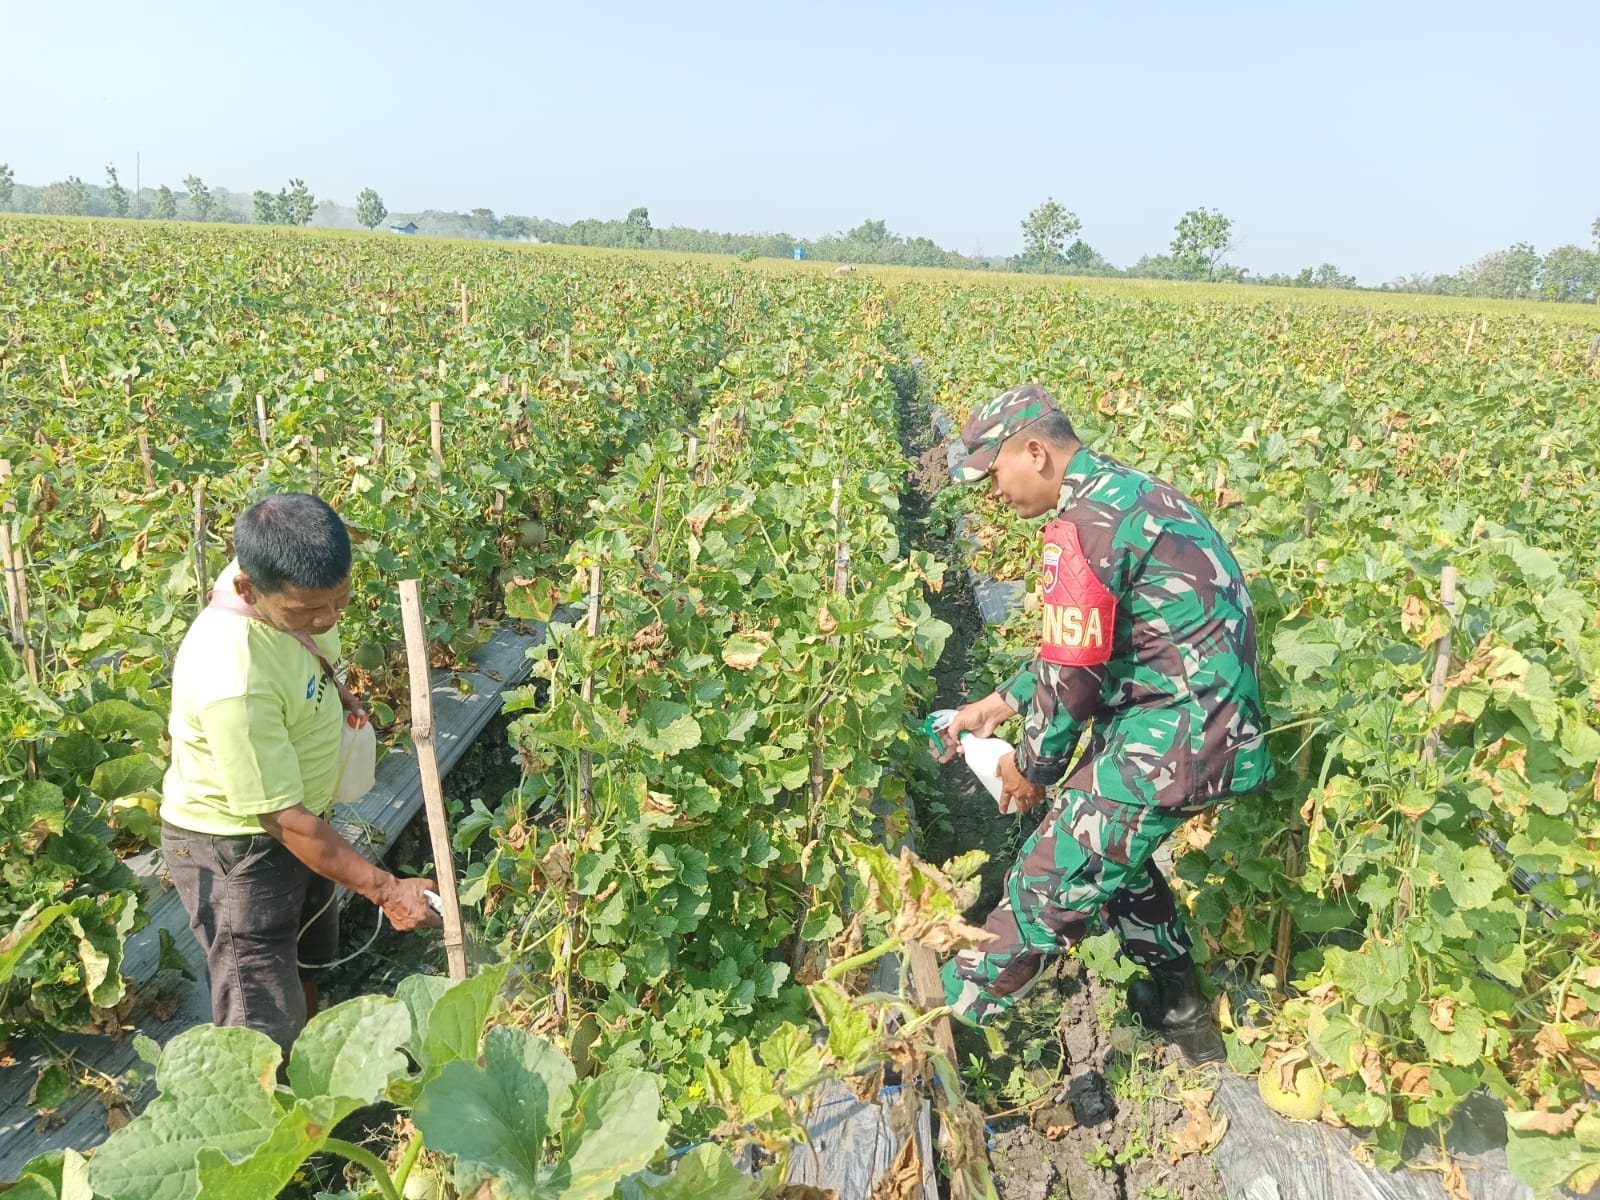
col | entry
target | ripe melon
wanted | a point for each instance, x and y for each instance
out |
(1291, 1084)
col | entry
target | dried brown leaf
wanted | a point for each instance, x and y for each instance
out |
(1550, 1041)
(904, 1178)
(1455, 1183)
(1555, 1124)
(1442, 1015)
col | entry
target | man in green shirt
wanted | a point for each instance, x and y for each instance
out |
(256, 727)
(1149, 636)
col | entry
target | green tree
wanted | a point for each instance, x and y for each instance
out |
(1045, 233)
(1203, 239)
(296, 206)
(165, 207)
(201, 201)
(265, 207)
(638, 231)
(1083, 259)
(1569, 273)
(1509, 274)
(8, 184)
(67, 198)
(369, 208)
(870, 233)
(116, 194)
(1329, 276)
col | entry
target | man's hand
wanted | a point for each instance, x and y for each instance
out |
(403, 902)
(317, 844)
(1017, 795)
(981, 717)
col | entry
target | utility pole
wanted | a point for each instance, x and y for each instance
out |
(138, 190)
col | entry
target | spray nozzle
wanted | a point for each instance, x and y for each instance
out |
(932, 729)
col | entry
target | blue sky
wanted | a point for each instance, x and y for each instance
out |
(1386, 138)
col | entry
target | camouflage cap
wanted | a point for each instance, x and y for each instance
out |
(991, 424)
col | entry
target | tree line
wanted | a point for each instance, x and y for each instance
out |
(1202, 241)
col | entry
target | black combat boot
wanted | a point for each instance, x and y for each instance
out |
(1171, 1003)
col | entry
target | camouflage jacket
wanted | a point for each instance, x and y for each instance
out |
(1149, 634)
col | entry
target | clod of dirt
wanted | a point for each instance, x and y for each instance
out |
(1090, 1099)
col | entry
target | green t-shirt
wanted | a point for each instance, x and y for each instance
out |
(255, 725)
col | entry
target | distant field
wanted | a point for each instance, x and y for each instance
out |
(1158, 290)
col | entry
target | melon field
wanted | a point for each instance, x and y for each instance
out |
(692, 475)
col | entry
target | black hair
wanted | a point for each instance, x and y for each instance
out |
(1055, 427)
(292, 537)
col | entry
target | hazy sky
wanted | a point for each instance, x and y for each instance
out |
(1387, 138)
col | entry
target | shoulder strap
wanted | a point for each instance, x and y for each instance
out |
(230, 602)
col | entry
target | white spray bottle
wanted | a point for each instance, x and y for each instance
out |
(982, 755)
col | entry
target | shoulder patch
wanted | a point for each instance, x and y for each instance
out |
(1080, 613)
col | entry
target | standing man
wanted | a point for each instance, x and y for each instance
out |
(256, 729)
(1149, 635)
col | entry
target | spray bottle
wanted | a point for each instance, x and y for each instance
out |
(982, 755)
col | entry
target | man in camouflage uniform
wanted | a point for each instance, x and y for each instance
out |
(1148, 635)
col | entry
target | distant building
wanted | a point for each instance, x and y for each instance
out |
(799, 251)
(408, 227)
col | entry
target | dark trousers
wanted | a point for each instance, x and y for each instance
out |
(258, 912)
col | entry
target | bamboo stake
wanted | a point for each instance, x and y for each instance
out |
(202, 582)
(1594, 351)
(144, 457)
(463, 306)
(13, 600)
(436, 432)
(261, 422)
(654, 550)
(566, 351)
(1441, 658)
(928, 991)
(316, 467)
(1472, 328)
(377, 439)
(1436, 690)
(1284, 936)
(586, 757)
(444, 866)
(66, 379)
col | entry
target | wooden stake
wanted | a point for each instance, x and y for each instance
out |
(1441, 656)
(377, 439)
(566, 351)
(586, 757)
(202, 571)
(144, 457)
(1284, 935)
(654, 551)
(444, 866)
(1472, 328)
(66, 379)
(463, 306)
(13, 583)
(316, 467)
(436, 428)
(1594, 350)
(261, 422)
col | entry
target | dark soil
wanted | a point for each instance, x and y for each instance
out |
(1108, 1105)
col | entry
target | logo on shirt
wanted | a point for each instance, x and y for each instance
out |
(311, 687)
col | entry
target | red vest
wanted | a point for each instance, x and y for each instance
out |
(1080, 613)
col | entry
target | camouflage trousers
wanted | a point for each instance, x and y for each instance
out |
(1090, 857)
